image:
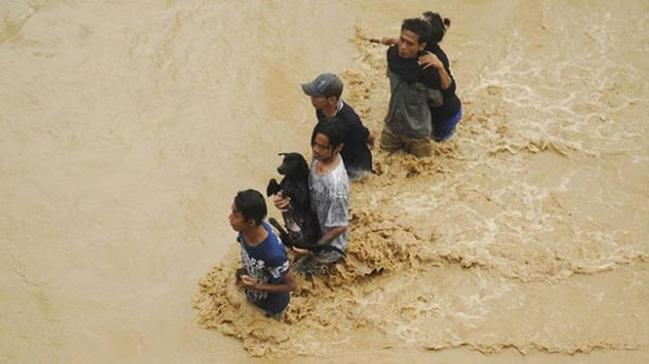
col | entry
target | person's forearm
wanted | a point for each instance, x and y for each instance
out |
(288, 284)
(444, 78)
(331, 235)
(389, 41)
(273, 288)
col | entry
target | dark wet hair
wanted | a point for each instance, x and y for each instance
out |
(438, 26)
(251, 205)
(331, 130)
(417, 26)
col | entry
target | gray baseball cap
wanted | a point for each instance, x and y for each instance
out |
(326, 84)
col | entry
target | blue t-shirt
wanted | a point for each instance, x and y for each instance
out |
(267, 263)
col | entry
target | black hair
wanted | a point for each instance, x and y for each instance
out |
(251, 205)
(331, 130)
(438, 26)
(417, 26)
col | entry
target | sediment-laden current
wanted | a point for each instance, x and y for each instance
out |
(127, 128)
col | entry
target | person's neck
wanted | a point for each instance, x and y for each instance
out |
(255, 235)
(330, 110)
(414, 57)
(323, 166)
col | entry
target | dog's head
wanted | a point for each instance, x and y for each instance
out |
(293, 166)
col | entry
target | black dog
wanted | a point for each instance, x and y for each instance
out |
(302, 229)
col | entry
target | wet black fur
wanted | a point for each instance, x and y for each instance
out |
(295, 185)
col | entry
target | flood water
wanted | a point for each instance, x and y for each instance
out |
(126, 129)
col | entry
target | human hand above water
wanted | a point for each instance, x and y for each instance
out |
(281, 202)
(430, 60)
(247, 281)
(299, 252)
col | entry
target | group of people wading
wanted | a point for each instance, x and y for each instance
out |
(423, 109)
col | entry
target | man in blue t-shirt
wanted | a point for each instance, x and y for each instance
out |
(265, 275)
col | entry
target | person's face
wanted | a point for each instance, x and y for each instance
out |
(237, 221)
(409, 44)
(322, 150)
(321, 102)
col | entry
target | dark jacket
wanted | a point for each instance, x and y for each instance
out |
(356, 154)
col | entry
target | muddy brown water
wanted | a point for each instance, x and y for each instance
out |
(126, 128)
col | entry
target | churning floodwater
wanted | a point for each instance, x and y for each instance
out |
(126, 129)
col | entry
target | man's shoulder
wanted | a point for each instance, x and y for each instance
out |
(439, 52)
(333, 179)
(341, 179)
(273, 240)
(347, 110)
(392, 53)
(273, 249)
(427, 72)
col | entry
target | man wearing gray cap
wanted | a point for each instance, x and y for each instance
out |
(325, 91)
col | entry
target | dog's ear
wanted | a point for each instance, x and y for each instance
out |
(282, 154)
(273, 187)
(285, 167)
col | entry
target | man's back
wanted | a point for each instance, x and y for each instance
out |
(356, 154)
